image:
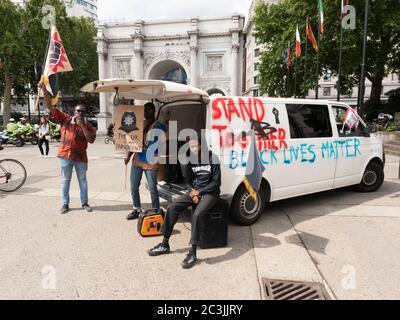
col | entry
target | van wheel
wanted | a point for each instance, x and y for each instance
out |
(372, 179)
(244, 210)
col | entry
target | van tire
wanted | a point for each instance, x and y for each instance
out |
(372, 179)
(245, 216)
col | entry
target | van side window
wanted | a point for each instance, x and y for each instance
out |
(309, 121)
(344, 131)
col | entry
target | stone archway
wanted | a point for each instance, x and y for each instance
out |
(215, 91)
(168, 70)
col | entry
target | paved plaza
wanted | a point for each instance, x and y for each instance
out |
(346, 240)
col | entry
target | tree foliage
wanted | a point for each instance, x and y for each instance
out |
(276, 25)
(23, 44)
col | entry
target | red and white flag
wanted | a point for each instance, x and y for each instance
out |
(321, 15)
(298, 42)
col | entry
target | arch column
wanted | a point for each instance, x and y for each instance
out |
(235, 71)
(138, 39)
(193, 34)
(235, 33)
(104, 118)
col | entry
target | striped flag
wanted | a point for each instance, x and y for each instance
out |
(254, 169)
(298, 42)
(310, 35)
(56, 62)
(321, 15)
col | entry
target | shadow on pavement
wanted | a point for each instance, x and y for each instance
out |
(240, 242)
(113, 208)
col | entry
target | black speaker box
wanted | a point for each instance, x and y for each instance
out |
(214, 227)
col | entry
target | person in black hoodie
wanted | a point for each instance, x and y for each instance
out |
(203, 183)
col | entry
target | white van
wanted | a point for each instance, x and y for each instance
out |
(304, 145)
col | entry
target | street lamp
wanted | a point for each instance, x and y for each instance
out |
(361, 89)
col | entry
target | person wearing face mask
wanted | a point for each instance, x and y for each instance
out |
(146, 161)
(75, 136)
(203, 181)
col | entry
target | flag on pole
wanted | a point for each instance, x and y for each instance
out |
(310, 35)
(344, 3)
(298, 42)
(56, 62)
(254, 169)
(352, 119)
(321, 15)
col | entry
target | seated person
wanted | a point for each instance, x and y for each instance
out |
(203, 184)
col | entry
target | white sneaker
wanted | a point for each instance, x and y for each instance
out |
(45, 157)
(41, 157)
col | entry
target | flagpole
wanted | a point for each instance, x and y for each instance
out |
(305, 69)
(317, 72)
(295, 77)
(37, 106)
(340, 58)
(362, 78)
(287, 81)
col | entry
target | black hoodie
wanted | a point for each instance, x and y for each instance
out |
(205, 178)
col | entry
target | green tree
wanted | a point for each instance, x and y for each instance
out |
(23, 45)
(276, 24)
(82, 53)
(11, 52)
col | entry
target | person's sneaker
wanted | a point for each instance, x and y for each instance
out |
(159, 250)
(41, 157)
(64, 209)
(189, 261)
(45, 157)
(133, 215)
(87, 207)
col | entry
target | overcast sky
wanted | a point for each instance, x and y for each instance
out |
(131, 10)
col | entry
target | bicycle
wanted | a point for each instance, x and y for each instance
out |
(12, 175)
(108, 140)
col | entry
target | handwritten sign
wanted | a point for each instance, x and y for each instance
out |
(129, 128)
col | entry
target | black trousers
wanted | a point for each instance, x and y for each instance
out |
(177, 207)
(46, 142)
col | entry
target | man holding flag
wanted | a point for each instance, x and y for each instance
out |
(75, 133)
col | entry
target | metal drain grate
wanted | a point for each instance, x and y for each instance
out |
(294, 290)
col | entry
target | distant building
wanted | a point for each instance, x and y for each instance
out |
(327, 89)
(76, 8)
(82, 8)
(252, 53)
(204, 53)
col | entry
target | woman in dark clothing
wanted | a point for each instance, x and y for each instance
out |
(44, 130)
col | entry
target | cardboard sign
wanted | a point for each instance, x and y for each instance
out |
(128, 128)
